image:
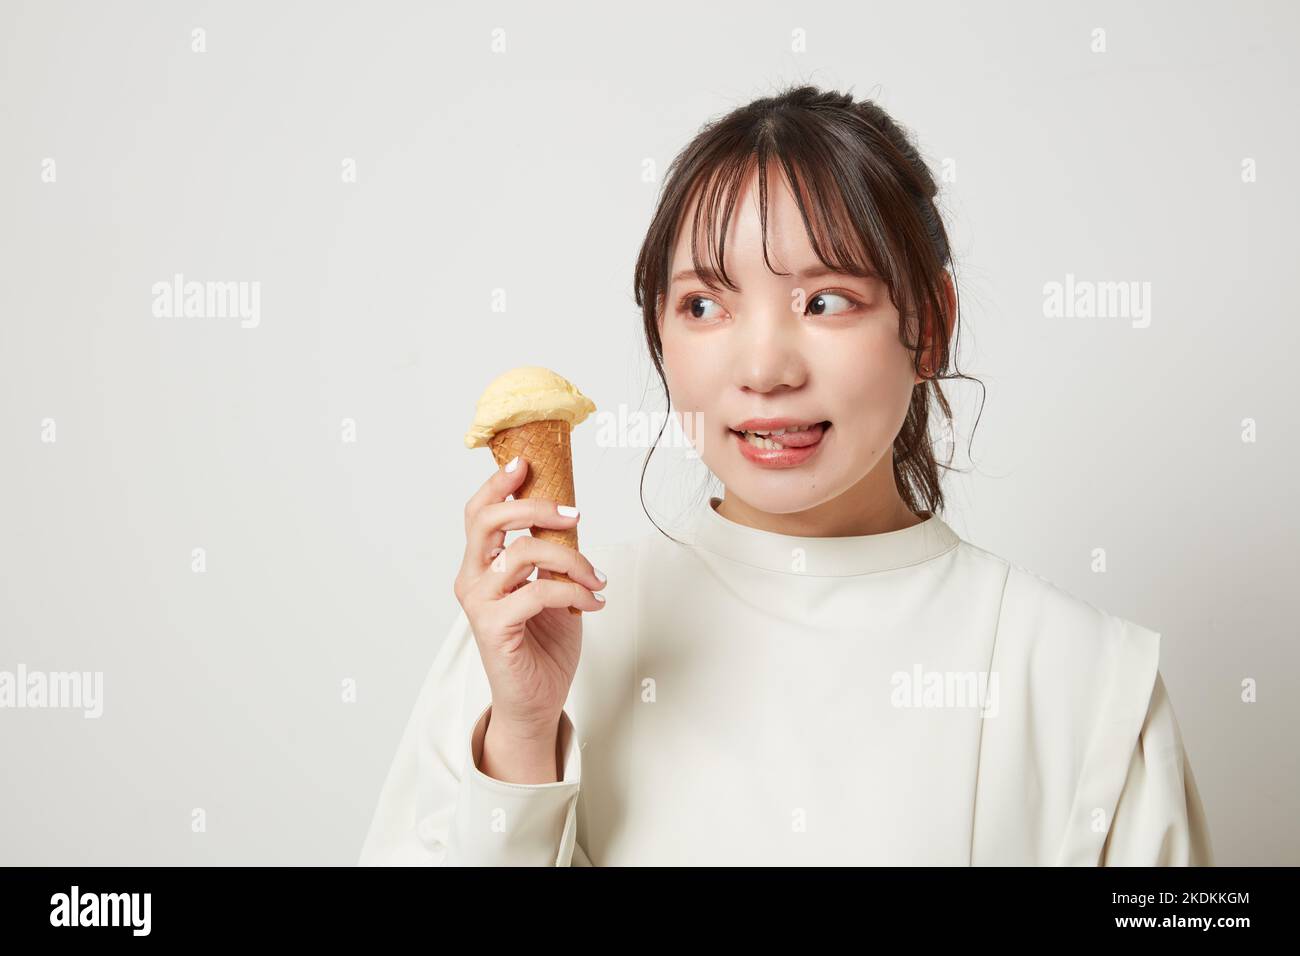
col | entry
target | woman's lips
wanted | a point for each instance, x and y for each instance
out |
(796, 447)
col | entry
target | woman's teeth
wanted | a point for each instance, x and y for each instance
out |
(759, 441)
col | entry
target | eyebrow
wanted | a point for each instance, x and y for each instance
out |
(812, 272)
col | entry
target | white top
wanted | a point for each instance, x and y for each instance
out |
(759, 698)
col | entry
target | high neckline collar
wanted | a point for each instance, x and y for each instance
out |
(822, 557)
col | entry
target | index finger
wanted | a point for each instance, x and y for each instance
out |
(496, 489)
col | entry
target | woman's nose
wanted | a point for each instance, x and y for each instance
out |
(768, 353)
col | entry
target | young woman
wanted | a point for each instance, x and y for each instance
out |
(822, 672)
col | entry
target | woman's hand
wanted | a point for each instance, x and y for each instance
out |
(526, 636)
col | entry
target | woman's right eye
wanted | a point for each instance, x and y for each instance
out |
(692, 304)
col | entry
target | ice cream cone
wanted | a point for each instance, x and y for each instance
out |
(545, 445)
(530, 412)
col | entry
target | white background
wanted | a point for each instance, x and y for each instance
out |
(523, 170)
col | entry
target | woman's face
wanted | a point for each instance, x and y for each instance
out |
(806, 346)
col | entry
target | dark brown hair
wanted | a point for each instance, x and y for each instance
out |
(872, 209)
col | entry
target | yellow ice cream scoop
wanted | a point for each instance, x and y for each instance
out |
(523, 395)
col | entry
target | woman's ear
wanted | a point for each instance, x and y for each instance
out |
(929, 360)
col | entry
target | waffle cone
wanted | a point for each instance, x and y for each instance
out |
(545, 444)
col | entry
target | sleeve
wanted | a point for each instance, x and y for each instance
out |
(437, 808)
(1159, 819)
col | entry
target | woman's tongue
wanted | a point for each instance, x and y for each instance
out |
(801, 439)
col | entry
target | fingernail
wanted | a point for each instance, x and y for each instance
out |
(598, 597)
(514, 463)
(567, 510)
(599, 575)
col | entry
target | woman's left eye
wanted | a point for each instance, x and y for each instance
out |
(825, 302)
